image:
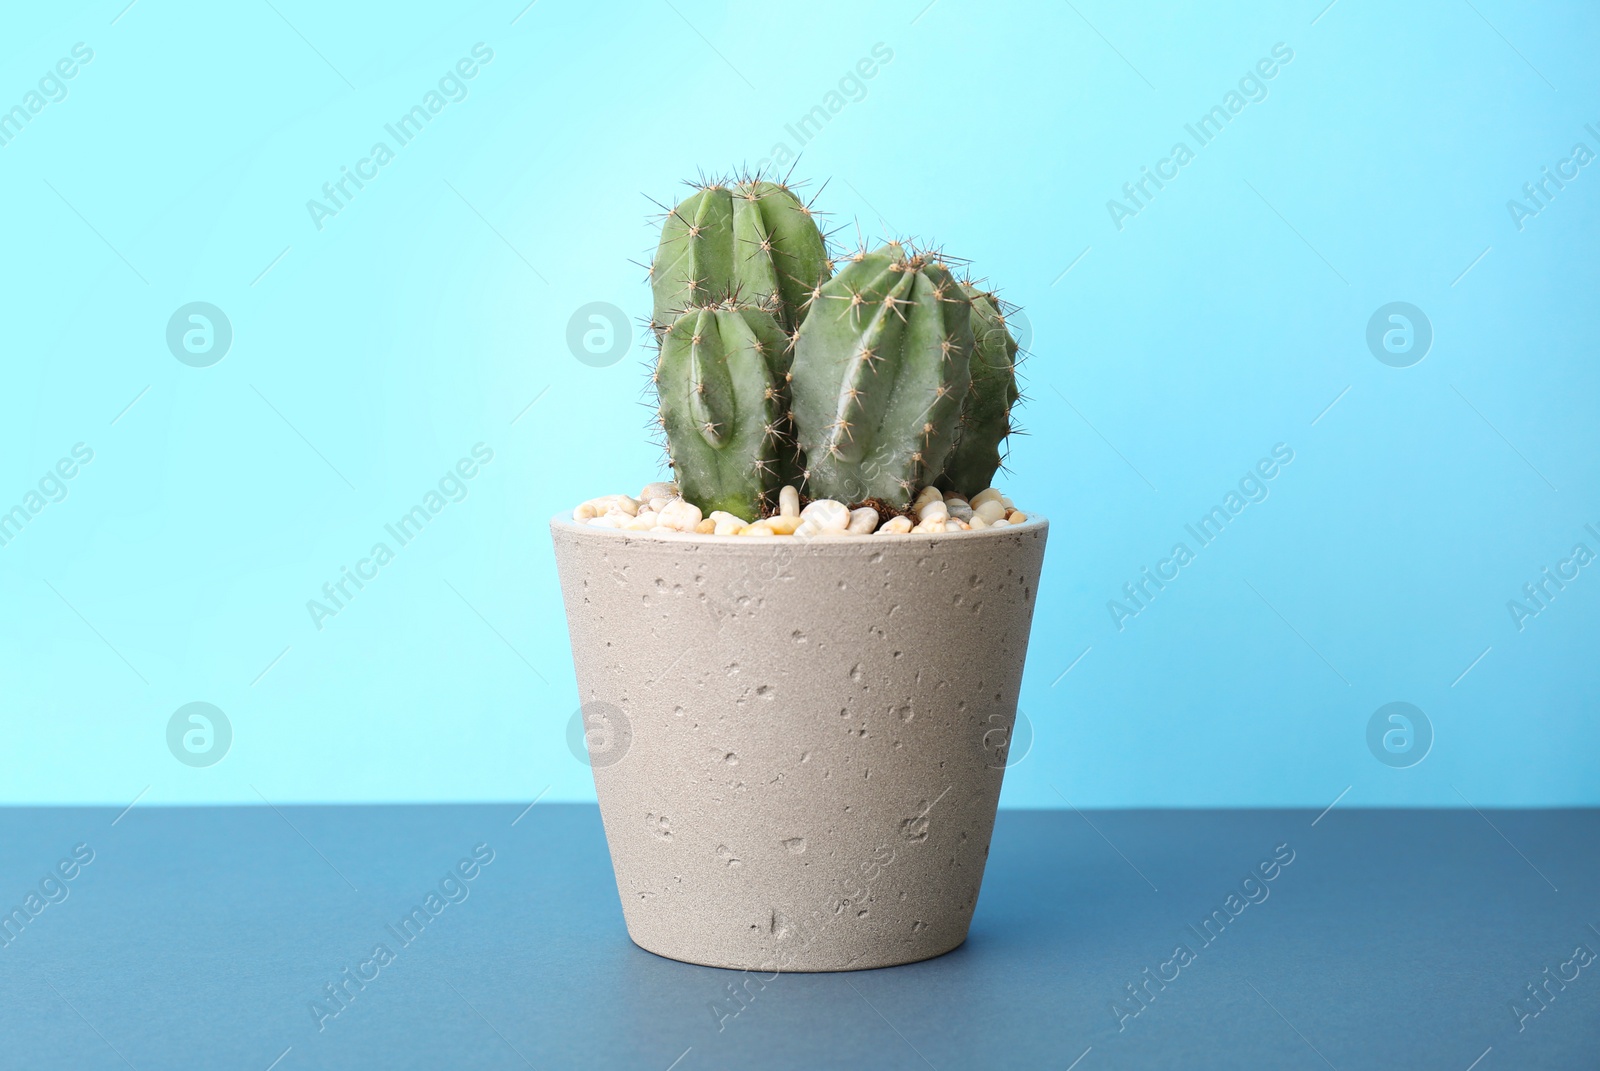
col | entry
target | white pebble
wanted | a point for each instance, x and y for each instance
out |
(781, 525)
(606, 503)
(679, 515)
(827, 515)
(864, 520)
(659, 509)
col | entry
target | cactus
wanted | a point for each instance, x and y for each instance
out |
(986, 414)
(868, 385)
(719, 380)
(880, 374)
(753, 241)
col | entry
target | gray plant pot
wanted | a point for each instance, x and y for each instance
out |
(798, 744)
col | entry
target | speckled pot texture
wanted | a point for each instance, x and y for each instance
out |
(798, 744)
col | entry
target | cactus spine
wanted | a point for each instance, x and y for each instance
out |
(880, 374)
(986, 414)
(719, 379)
(753, 241)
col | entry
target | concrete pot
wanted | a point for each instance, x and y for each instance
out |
(798, 744)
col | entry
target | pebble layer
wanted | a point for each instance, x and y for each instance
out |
(658, 508)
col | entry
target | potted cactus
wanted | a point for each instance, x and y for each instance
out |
(794, 658)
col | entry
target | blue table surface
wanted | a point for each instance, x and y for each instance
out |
(204, 938)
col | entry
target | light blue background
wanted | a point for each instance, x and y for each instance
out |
(1224, 318)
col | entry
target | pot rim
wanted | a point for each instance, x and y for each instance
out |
(563, 522)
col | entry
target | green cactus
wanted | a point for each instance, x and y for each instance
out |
(868, 385)
(880, 373)
(753, 241)
(986, 414)
(720, 383)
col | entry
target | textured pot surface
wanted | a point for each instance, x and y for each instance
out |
(798, 744)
